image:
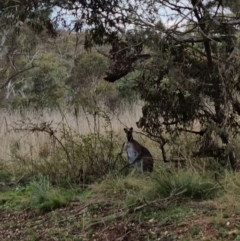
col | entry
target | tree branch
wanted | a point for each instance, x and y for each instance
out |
(201, 132)
(15, 75)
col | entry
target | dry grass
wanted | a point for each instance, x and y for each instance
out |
(119, 188)
(19, 146)
(229, 202)
(33, 143)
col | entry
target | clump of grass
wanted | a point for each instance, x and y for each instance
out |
(53, 200)
(46, 198)
(195, 230)
(187, 183)
(38, 195)
(231, 184)
(16, 197)
(123, 187)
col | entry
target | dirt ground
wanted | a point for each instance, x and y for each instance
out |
(104, 221)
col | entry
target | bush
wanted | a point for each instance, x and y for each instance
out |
(88, 69)
(85, 158)
(88, 65)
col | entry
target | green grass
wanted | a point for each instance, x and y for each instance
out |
(185, 184)
(104, 200)
(16, 197)
(194, 231)
(130, 191)
(38, 195)
(121, 187)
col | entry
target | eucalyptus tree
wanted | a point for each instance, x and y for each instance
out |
(192, 50)
(18, 42)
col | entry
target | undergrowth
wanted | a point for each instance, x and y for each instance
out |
(38, 195)
(68, 156)
(180, 186)
(161, 190)
(67, 159)
(189, 184)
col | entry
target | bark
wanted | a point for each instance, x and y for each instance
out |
(231, 155)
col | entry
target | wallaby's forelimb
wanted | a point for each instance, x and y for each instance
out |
(129, 164)
(120, 153)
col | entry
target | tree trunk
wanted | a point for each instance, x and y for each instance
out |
(231, 155)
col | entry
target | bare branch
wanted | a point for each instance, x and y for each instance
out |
(15, 75)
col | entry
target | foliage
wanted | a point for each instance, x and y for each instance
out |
(43, 86)
(90, 65)
(125, 88)
(192, 68)
(55, 79)
(36, 16)
(88, 70)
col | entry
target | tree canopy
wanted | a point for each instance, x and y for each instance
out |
(191, 53)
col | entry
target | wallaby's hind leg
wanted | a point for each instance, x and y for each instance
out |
(141, 166)
(147, 164)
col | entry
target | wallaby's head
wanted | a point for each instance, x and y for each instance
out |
(129, 133)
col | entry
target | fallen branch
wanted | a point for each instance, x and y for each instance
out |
(105, 219)
(161, 203)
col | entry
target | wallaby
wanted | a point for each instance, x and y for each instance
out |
(137, 154)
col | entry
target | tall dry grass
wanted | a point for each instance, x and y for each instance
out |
(19, 145)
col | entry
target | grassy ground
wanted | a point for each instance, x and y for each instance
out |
(40, 201)
(119, 208)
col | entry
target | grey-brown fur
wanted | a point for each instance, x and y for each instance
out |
(137, 153)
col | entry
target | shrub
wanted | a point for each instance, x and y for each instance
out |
(88, 65)
(85, 157)
(88, 69)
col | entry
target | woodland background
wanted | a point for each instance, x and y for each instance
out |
(73, 74)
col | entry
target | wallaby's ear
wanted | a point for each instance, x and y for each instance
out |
(131, 129)
(126, 130)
